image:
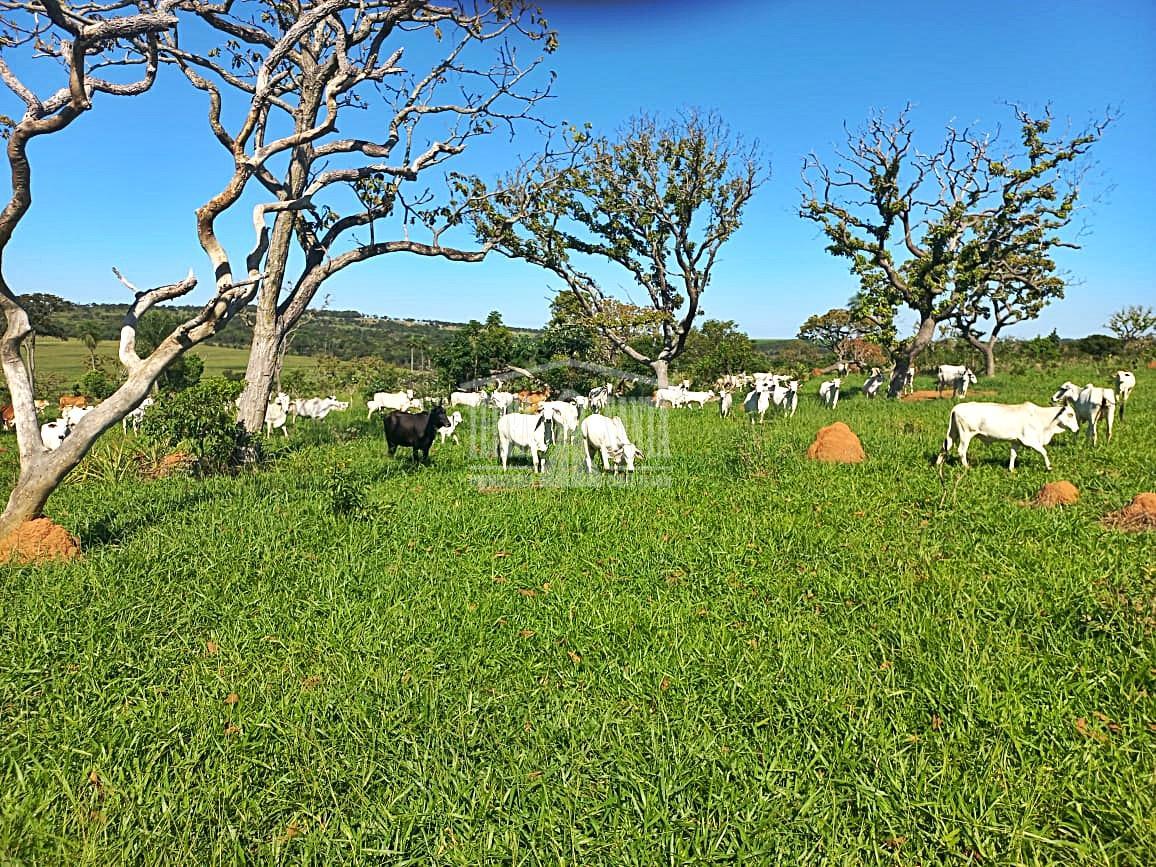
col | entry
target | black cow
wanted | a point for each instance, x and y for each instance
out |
(415, 429)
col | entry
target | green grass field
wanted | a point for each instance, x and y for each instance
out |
(68, 359)
(763, 660)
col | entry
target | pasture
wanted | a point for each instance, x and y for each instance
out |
(343, 658)
(68, 359)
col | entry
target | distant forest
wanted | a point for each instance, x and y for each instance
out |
(345, 334)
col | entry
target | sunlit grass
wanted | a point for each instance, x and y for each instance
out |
(767, 660)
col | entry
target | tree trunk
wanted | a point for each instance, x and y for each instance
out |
(30, 495)
(661, 368)
(260, 373)
(904, 361)
(986, 348)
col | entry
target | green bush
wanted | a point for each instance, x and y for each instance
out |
(203, 418)
(97, 384)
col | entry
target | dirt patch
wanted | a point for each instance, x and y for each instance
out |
(1152, 364)
(1138, 515)
(38, 541)
(931, 394)
(174, 464)
(836, 443)
(1061, 493)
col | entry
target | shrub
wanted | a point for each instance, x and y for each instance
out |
(202, 417)
(96, 384)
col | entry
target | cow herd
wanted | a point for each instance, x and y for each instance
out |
(531, 421)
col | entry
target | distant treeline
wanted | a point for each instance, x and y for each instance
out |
(344, 334)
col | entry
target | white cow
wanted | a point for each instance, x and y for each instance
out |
(73, 414)
(1026, 423)
(702, 398)
(1125, 382)
(276, 414)
(389, 401)
(829, 392)
(53, 433)
(136, 416)
(450, 430)
(958, 376)
(502, 401)
(873, 384)
(757, 402)
(724, 404)
(672, 394)
(525, 430)
(565, 414)
(468, 398)
(908, 381)
(786, 396)
(600, 397)
(317, 407)
(1090, 403)
(580, 401)
(608, 437)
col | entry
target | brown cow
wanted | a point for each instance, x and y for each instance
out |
(532, 400)
(67, 400)
(8, 413)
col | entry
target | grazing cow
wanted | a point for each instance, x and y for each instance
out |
(599, 397)
(525, 430)
(951, 374)
(565, 414)
(1025, 423)
(873, 384)
(415, 430)
(829, 392)
(908, 386)
(67, 400)
(52, 433)
(608, 437)
(389, 400)
(1090, 403)
(757, 402)
(502, 401)
(786, 396)
(724, 404)
(699, 397)
(672, 394)
(317, 407)
(136, 415)
(468, 398)
(450, 430)
(1125, 382)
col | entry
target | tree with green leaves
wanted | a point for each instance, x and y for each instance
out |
(718, 347)
(42, 309)
(839, 331)
(659, 202)
(1003, 304)
(1132, 323)
(941, 232)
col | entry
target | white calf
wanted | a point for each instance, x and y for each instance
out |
(699, 397)
(276, 414)
(786, 396)
(53, 433)
(1125, 382)
(829, 392)
(1090, 403)
(873, 384)
(599, 397)
(449, 430)
(608, 437)
(502, 401)
(672, 394)
(1026, 423)
(949, 374)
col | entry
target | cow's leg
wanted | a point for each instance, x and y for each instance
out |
(605, 459)
(586, 451)
(503, 452)
(1110, 411)
(1011, 464)
(964, 442)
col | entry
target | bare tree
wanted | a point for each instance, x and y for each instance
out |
(939, 232)
(87, 38)
(660, 202)
(415, 120)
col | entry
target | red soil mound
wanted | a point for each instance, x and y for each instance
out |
(1061, 493)
(38, 541)
(1152, 364)
(169, 465)
(836, 443)
(1140, 514)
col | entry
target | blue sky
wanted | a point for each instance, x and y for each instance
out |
(119, 188)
